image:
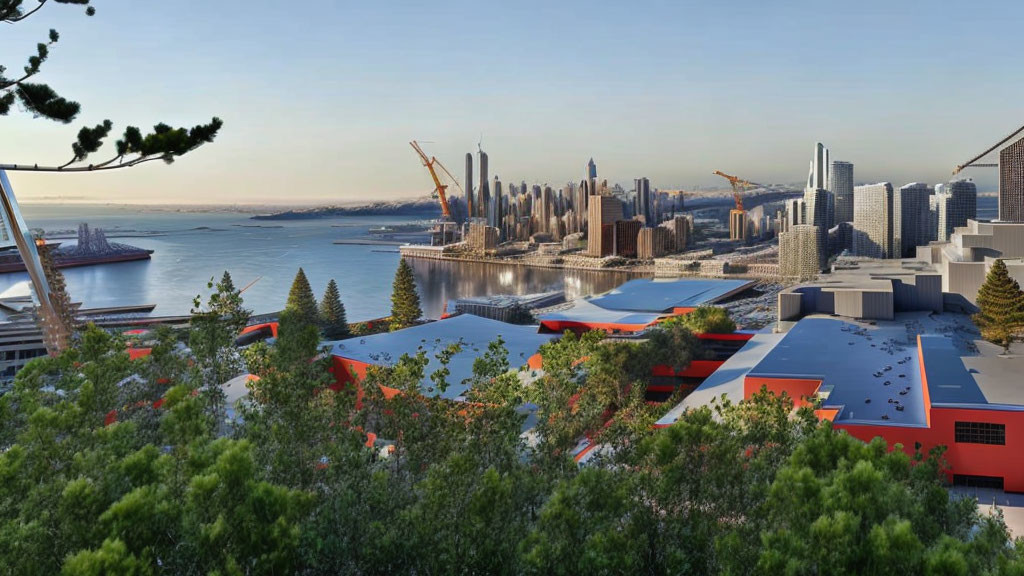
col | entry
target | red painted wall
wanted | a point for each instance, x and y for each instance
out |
(798, 389)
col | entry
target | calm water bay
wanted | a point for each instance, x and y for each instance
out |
(190, 248)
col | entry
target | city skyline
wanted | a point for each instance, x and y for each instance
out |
(733, 88)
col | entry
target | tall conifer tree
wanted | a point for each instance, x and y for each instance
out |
(333, 320)
(1001, 303)
(301, 302)
(405, 302)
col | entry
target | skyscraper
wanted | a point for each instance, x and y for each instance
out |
(841, 186)
(800, 252)
(1011, 182)
(956, 204)
(910, 218)
(591, 170)
(604, 212)
(817, 199)
(469, 185)
(483, 196)
(643, 205)
(873, 221)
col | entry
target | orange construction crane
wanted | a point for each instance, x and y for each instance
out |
(439, 188)
(738, 186)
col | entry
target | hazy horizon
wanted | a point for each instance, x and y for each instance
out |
(319, 105)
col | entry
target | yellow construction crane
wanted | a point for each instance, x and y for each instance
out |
(972, 162)
(439, 188)
(738, 186)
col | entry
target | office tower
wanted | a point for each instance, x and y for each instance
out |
(910, 218)
(961, 205)
(816, 195)
(484, 192)
(470, 205)
(679, 228)
(546, 210)
(643, 205)
(1011, 182)
(497, 213)
(737, 225)
(604, 211)
(652, 242)
(873, 207)
(591, 170)
(800, 252)
(626, 235)
(818, 177)
(795, 209)
(841, 186)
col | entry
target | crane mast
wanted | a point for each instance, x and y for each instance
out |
(439, 188)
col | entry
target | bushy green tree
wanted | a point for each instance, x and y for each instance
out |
(405, 301)
(707, 320)
(1001, 304)
(333, 320)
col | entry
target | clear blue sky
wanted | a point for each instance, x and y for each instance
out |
(321, 97)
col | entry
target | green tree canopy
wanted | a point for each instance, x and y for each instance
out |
(405, 301)
(1001, 304)
(707, 320)
(333, 320)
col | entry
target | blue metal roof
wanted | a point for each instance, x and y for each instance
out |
(585, 311)
(656, 295)
(870, 373)
(473, 332)
(949, 382)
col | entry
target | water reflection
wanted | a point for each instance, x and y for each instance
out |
(440, 282)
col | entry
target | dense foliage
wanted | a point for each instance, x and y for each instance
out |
(707, 320)
(1001, 304)
(301, 301)
(111, 465)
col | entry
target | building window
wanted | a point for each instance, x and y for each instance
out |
(981, 433)
(970, 481)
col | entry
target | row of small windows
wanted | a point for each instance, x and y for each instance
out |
(980, 433)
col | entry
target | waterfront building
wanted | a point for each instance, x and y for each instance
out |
(483, 239)
(626, 233)
(652, 242)
(603, 211)
(1011, 182)
(910, 218)
(484, 192)
(841, 186)
(800, 252)
(873, 236)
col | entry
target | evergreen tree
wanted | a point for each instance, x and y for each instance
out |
(405, 302)
(1001, 304)
(333, 320)
(301, 302)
